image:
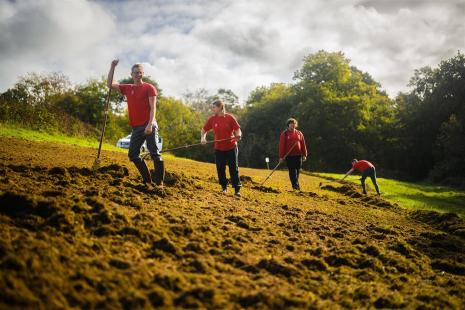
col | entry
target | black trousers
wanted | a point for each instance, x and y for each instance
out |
(370, 172)
(229, 158)
(137, 139)
(294, 163)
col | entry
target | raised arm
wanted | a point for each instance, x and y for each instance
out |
(110, 82)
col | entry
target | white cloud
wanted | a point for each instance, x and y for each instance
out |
(235, 44)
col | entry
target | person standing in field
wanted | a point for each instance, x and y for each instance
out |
(142, 107)
(367, 169)
(225, 127)
(293, 149)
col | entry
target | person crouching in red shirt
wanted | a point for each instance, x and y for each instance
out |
(142, 107)
(225, 127)
(293, 149)
(367, 169)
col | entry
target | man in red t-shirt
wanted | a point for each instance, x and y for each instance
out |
(293, 149)
(142, 100)
(367, 169)
(225, 128)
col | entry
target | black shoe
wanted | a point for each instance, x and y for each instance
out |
(224, 190)
(238, 193)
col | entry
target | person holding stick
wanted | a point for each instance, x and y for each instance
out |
(142, 107)
(292, 143)
(226, 128)
(367, 169)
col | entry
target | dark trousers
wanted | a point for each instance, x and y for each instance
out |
(137, 139)
(370, 172)
(229, 158)
(294, 163)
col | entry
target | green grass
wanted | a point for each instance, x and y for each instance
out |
(7, 130)
(422, 196)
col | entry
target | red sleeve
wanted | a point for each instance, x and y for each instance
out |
(234, 123)
(282, 145)
(208, 125)
(303, 145)
(152, 91)
(123, 88)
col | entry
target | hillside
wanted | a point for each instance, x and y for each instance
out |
(70, 238)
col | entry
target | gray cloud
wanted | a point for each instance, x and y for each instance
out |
(234, 44)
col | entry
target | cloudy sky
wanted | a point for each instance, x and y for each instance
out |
(236, 44)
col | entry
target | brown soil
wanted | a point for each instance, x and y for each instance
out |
(72, 238)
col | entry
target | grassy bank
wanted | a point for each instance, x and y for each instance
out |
(415, 195)
(8, 130)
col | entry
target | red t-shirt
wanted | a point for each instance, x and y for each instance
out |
(287, 140)
(223, 127)
(138, 102)
(362, 165)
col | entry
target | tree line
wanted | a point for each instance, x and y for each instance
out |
(343, 112)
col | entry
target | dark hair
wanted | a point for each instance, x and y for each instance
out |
(219, 104)
(355, 159)
(292, 120)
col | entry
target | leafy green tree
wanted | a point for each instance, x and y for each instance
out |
(267, 109)
(201, 100)
(428, 118)
(340, 109)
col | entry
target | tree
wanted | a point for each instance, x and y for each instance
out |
(428, 116)
(201, 100)
(340, 109)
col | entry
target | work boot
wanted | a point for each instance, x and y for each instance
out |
(144, 171)
(159, 172)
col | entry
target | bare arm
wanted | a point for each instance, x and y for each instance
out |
(110, 83)
(203, 136)
(238, 134)
(153, 111)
